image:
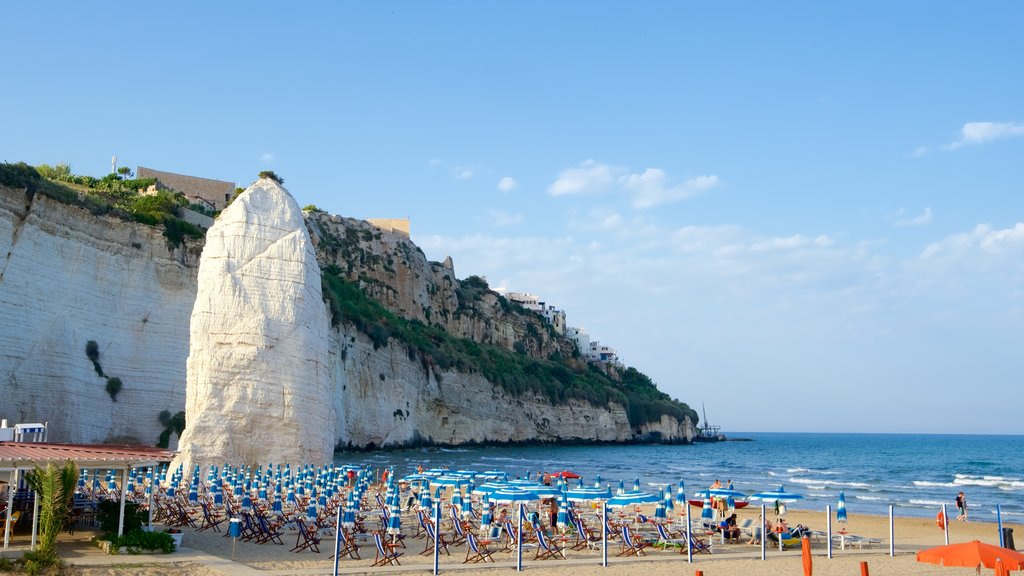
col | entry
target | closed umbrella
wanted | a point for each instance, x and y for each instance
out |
(660, 511)
(563, 515)
(636, 484)
(622, 487)
(841, 507)
(487, 517)
(681, 494)
(395, 521)
(707, 513)
(597, 481)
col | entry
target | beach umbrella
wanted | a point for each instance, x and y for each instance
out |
(707, 513)
(622, 487)
(597, 481)
(721, 493)
(425, 502)
(277, 508)
(841, 507)
(193, 495)
(781, 495)
(512, 494)
(669, 503)
(631, 498)
(660, 512)
(489, 488)
(457, 498)
(681, 494)
(563, 515)
(487, 517)
(467, 508)
(589, 493)
(566, 474)
(493, 475)
(449, 481)
(972, 554)
(395, 521)
(246, 502)
(636, 484)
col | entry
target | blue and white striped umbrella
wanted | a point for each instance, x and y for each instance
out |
(311, 512)
(636, 484)
(841, 507)
(632, 497)
(660, 511)
(591, 493)
(193, 495)
(681, 494)
(493, 475)
(488, 516)
(449, 481)
(707, 512)
(277, 507)
(425, 501)
(563, 515)
(247, 502)
(457, 498)
(622, 487)
(395, 521)
(781, 495)
(467, 508)
(597, 481)
(490, 487)
(669, 504)
(513, 495)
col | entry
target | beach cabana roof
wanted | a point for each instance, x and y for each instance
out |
(25, 455)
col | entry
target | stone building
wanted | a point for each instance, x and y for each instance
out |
(212, 194)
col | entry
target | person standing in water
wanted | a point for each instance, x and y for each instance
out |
(961, 507)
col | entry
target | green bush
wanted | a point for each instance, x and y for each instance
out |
(114, 386)
(107, 512)
(311, 208)
(270, 174)
(139, 540)
(172, 424)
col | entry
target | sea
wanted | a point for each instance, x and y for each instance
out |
(914, 473)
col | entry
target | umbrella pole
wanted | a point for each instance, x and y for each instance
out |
(945, 523)
(892, 533)
(604, 534)
(764, 533)
(999, 525)
(337, 539)
(437, 533)
(828, 524)
(689, 534)
(519, 539)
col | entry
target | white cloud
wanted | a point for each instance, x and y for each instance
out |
(434, 162)
(981, 244)
(921, 219)
(589, 178)
(973, 133)
(463, 172)
(650, 188)
(646, 189)
(502, 219)
(920, 151)
(266, 157)
(507, 184)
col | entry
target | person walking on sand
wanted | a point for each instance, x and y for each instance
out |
(961, 507)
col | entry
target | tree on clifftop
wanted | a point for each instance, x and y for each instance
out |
(270, 174)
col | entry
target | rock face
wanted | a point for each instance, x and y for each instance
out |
(68, 277)
(258, 385)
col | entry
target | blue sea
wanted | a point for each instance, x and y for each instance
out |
(915, 473)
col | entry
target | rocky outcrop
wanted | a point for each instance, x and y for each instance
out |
(68, 277)
(258, 388)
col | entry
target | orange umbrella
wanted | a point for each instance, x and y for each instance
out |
(972, 554)
(806, 552)
(1001, 568)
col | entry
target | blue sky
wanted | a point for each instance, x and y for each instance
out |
(806, 216)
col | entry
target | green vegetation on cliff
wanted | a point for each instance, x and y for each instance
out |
(517, 374)
(115, 194)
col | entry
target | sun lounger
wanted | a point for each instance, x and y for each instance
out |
(386, 552)
(630, 545)
(477, 550)
(547, 548)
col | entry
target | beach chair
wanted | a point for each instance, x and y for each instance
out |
(631, 546)
(747, 527)
(268, 530)
(10, 522)
(307, 538)
(585, 537)
(432, 534)
(347, 546)
(697, 545)
(666, 538)
(386, 552)
(461, 532)
(547, 548)
(211, 519)
(476, 550)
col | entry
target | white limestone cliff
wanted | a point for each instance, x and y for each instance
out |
(258, 385)
(68, 277)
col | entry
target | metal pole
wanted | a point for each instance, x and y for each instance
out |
(892, 533)
(999, 523)
(120, 516)
(437, 533)
(519, 539)
(689, 534)
(764, 533)
(828, 530)
(337, 537)
(604, 534)
(149, 516)
(945, 523)
(10, 506)
(35, 518)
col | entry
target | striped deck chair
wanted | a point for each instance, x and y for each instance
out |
(461, 532)
(546, 548)
(347, 545)
(386, 552)
(211, 519)
(307, 538)
(268, 530)
(476, 550)
(666, 538)
(697, 545)
(585, 537)
(432, 533)
(631, 546)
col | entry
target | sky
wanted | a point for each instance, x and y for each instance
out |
(801, 216)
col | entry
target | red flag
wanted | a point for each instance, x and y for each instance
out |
(940, 519)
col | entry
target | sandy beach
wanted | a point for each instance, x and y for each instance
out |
(209, 553)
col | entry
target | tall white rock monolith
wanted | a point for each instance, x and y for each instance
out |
(258, 387)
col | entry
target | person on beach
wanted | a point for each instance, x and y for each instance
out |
(755, 537)
(961, 507)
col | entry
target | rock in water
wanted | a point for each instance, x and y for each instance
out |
(258, 383)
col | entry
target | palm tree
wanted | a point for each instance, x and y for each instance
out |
(54, 487)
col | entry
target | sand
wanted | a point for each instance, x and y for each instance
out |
(209, 553)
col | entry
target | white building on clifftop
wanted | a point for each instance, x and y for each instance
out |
(554, 316)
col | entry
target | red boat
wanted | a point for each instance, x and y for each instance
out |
(700, 503)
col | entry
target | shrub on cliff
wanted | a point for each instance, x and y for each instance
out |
(270, 174)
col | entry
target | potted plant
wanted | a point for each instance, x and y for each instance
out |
(176, 536)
